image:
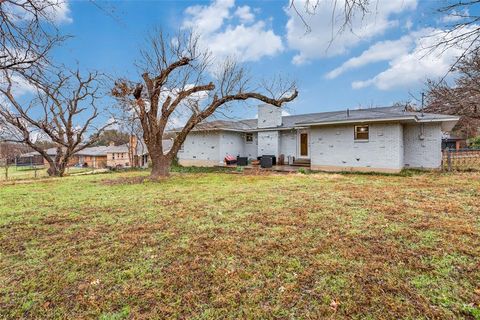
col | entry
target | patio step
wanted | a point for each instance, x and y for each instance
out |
(302, 162)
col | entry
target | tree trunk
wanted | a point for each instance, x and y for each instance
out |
(160, 167)
(56, 170)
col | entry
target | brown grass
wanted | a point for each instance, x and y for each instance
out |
(208, 246)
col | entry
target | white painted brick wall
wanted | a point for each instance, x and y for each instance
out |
(424, 153)
(231, 143)
(201, 146)
(391, 146)
(269, 116)
(251, 148)
(336, 147)
(288, 143)
(268, 143)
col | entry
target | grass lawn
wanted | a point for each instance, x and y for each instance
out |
(217, 245)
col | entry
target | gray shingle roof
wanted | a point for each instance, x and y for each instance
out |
(394, 113)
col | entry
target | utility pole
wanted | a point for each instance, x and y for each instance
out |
(423, 99)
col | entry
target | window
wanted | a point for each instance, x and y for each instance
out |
(249, 137)
(361, 132)
(113, 156)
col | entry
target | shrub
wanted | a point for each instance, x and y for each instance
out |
(302, 171)
(474, 142)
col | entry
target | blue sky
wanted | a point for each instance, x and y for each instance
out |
(379, 65)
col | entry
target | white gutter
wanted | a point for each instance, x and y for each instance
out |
(413, 118)
(324, 123)
(453, 118)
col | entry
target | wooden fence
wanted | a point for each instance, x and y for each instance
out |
(461, 160)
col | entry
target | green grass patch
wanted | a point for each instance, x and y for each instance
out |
(204, 244)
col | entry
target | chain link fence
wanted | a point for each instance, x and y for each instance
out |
(461, 160)
(12, 172)
(8, 173)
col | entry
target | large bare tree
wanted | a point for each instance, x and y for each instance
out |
(462, 23)
(27, 32)
(181, 80)
(62, 109)
(346, 9)
(462, 98)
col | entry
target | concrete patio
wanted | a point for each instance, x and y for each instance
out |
(276, 168)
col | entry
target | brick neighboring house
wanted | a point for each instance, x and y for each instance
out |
(135, 152)
(94, 157)
(100, 157)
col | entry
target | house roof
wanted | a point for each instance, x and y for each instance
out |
(103, 150)
(395, 113)
(381, 114)
(92, 151)
(141, 147)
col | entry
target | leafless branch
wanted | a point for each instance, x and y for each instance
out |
(179, 78)
(63, 109)
(27, 33)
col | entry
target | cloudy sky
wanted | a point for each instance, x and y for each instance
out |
(385, 60)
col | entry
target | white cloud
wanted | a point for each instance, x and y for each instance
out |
(409, 24)
(247, 43)
(20, 86)
(57, 11)
(380, 51)
(207, 19)
(245, 14)
(422, 61)
(455, 16)
(60, 12)
(326, 40)
(250, 40)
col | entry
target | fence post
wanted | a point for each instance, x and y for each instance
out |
(449, 160)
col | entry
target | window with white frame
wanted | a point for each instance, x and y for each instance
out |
(249, 137)
(361, 132)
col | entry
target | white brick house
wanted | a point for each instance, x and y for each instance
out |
(377, 139)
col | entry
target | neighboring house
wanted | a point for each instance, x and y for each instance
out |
(133, 152)
(377, 139)
(453, 142)
(94, 157)
(100, 157)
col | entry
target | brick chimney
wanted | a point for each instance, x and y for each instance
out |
(269, 116)
(132, 151)
(133, 142)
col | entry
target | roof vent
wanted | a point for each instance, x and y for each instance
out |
(348, 113)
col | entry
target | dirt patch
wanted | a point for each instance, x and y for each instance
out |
(124, 181)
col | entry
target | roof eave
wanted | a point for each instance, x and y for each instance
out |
(365, 120)
(453, 118)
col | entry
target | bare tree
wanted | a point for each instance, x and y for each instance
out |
(63, 109)
(177, 81)
(462, 30)
(348, 9)
(462, 98)
(27, 32)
